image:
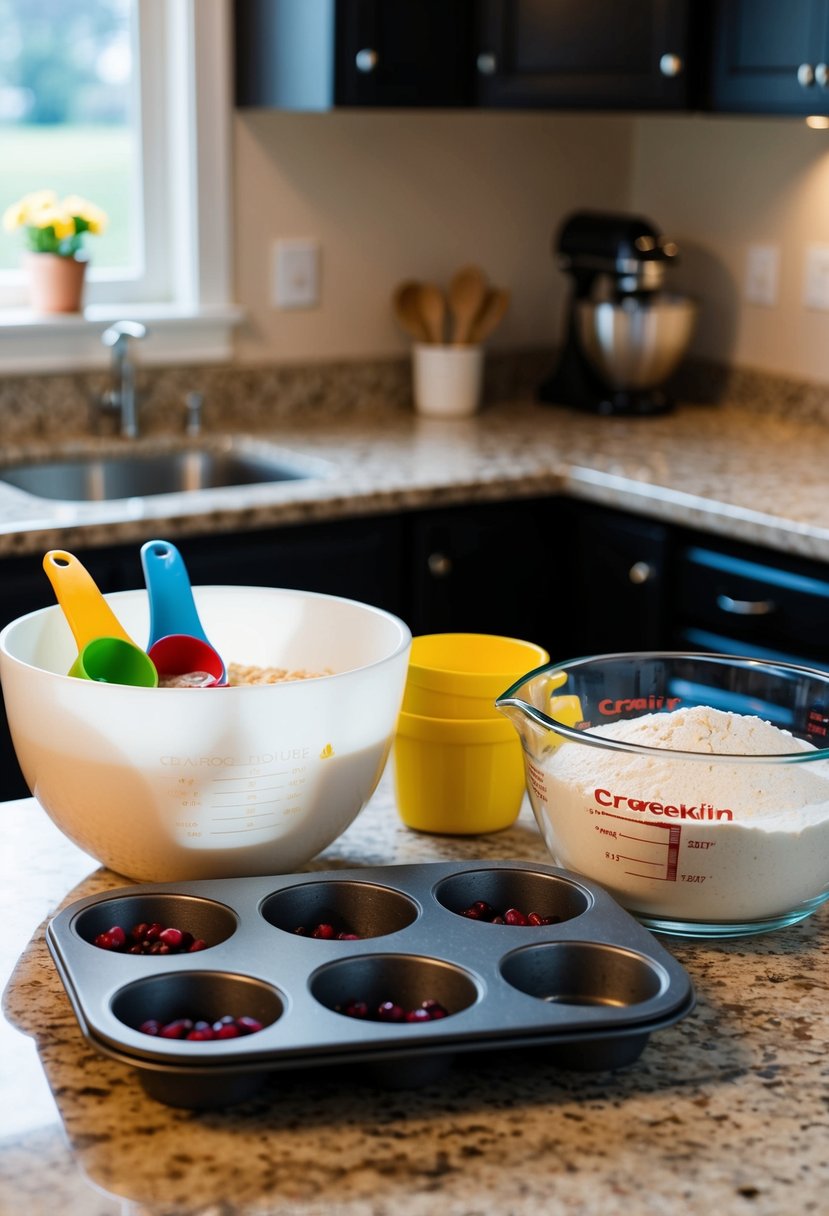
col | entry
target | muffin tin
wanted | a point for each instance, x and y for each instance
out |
(587, 990)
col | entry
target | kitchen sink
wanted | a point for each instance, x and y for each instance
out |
(139, 474)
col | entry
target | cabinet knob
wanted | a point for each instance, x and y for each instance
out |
(486, 63)
(822, 74)
(805, 75)
(641, 572)
(440, 565)
(746, 607)
(671, 65)
(366, 60)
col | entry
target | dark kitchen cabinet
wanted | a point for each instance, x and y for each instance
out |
(316, 54)
(770, 58)
(490, 568)
(594, 54)
(618, 580)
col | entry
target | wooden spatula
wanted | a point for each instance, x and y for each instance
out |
(467, 292)
(496, 303)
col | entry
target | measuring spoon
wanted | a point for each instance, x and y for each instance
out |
(178, 645)
(106, 652)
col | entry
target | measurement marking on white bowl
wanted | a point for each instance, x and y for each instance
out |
(251, 776)
(254, 789)
(247, 818)
(235, 831)
(246, 806)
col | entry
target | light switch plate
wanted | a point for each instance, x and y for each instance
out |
(816, 286)
(762, 275)
(296, 274)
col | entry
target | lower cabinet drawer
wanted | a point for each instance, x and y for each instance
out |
(780, 610)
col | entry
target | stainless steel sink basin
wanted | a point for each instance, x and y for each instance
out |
(138, 474)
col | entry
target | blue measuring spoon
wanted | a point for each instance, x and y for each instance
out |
(178, 644)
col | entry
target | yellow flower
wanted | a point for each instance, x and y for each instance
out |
(53, 217)
(95, 219)
(14, 216)
(54, 227)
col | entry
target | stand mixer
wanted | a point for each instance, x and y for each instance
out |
(624, 335)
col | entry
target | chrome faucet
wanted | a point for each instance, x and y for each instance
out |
(122, 396)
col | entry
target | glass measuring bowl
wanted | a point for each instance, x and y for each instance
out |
(694, 787)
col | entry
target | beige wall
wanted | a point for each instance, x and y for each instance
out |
(394, 196)
(397, 195)
(719, 184)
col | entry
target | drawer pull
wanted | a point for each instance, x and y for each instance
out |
(746, 607)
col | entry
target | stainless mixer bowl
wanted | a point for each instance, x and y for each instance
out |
(635, 343)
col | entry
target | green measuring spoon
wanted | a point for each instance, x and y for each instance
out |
(106, 652)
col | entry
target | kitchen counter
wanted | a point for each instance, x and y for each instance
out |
(753, 474)
(724, 1112)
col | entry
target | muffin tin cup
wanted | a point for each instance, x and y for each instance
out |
(589, 988)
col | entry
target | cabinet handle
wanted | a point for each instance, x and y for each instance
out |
(641, 572)
(805, 75)
(671, 65)
(487, 63)
(822, 74)
(440, 565)
(366, 60)
(746, 607)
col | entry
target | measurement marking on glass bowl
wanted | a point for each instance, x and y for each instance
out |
(667, 838)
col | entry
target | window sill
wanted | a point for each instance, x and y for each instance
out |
(72, 342)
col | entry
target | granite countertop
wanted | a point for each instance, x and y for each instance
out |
(725, 1111)
(755, 475)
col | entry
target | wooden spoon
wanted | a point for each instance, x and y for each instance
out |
(491, 314)
(467, 292)
(406, 304)
(432, 308)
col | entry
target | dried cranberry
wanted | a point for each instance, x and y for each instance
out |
(176, 1029)
(481, 910)
(227, 1031)
(112, 939)
(145, 938)
(390, 1011)
(327, 932)
(202, 1031)
(356, 1009)
(418, 1015)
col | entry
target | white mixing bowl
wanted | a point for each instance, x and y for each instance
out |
(166, 784)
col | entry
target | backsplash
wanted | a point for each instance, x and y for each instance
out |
(45, 408)
(57, 407)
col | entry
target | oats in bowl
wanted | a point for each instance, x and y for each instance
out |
(247, 673)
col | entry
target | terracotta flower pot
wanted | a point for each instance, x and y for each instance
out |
(55, 283)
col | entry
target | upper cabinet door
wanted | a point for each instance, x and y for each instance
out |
(318, 54)
(770, 57)
(585, 54)
(405, 53)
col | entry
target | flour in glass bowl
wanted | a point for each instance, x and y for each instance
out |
(689, 839)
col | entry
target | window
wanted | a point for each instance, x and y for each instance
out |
(127, 103)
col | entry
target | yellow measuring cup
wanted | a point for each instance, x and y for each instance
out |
(106, 652)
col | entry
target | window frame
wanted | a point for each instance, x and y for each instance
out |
(184, 295)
